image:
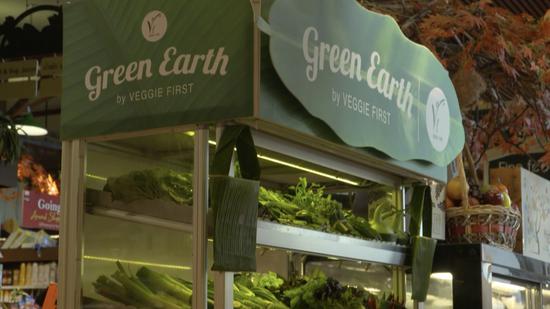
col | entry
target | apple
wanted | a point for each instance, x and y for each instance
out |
(454, 189)
(493, 197)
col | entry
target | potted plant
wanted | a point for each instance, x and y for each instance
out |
(10, 150)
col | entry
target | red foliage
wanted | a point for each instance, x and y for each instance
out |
(510, 52)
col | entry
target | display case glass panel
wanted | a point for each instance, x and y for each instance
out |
(373, 278)
(440, 292)
(546, 298)
(511, 294)
(138, 215)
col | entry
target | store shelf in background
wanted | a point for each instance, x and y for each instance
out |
(24, 287)
(28, 255)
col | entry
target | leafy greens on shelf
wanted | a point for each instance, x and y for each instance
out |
(321, 292)
(309, 206)
(151, 289)
(151, 184)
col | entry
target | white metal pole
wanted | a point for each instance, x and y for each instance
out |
(200, 208)
(223, 281)
(73, 161)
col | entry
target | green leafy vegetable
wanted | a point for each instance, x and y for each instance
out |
(152, 184)
(310, 206)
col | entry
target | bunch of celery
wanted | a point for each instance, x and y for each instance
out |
(150, 289)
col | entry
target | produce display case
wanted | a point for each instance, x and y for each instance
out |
(158, 233)
(502, 279)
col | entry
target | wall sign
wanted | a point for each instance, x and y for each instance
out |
(40, 211)
(356, 71)
(137, 64)
(529, 162)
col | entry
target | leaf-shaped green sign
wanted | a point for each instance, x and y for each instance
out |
(356, 71)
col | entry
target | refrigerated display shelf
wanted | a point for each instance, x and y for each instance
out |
(276, 235)
(332, 245)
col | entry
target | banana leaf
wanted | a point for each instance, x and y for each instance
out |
(423, 247)
(235, 202)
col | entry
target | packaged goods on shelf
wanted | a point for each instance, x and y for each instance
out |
(21, 238)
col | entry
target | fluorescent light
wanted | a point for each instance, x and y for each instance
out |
(305, 169)
(54, 236)
(140, 263)
(23, 79)
(507, 287)
(96, 177)
(372, 290)
(30, 130)
(442, 276)
(295, 166)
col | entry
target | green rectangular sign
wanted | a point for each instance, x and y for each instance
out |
(132, 65)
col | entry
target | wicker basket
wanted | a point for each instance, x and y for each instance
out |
(491, 224)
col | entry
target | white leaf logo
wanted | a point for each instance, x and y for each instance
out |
(154, 26)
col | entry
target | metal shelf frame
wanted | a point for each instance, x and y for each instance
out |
(336, 246)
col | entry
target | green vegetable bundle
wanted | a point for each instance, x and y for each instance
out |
(310, 207)
(319, 292)
(150, 289)
(152, 184)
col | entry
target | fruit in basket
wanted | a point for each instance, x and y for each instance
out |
(454, 189)
(493, 197)
(506, 200)
(474, 191)
(501, 187)
(473, 201)
(449, 203)
(515, 207)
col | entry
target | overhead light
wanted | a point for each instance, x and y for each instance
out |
(100, 178)
(309, 170)
(27, 125)
(295, 166)
(372, 290)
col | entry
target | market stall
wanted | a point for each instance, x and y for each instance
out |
(151, 91)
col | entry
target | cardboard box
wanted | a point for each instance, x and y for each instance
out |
(532, 193)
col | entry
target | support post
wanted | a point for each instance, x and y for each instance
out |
(200, 208)
(73, 168)
(223, 281)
